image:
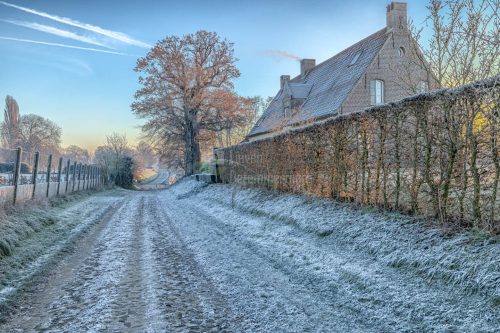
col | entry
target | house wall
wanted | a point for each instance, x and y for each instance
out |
(400, 74)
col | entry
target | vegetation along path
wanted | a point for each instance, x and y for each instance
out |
(194, 258)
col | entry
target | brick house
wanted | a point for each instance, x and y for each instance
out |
(383, 67)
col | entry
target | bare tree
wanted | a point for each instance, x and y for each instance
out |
(231, 117)
(10, 125)
(116, 160)
(118, 144)
(178, 76)
(145, 154)
(75, 153)
(464, 43)
(39, 134)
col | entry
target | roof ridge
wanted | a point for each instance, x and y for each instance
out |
(342, 52)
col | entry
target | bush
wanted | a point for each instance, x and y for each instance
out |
(9, 167)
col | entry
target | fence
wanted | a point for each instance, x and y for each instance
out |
(25, 176)
(431, 154)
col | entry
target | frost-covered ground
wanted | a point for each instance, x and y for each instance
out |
(217, 258)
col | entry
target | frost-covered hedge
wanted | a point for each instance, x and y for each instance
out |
(433, 154)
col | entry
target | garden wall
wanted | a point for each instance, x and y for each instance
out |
(433, 154)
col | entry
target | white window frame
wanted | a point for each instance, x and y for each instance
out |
(377, 92)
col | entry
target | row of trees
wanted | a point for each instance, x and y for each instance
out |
(30, 132)
(119, 161)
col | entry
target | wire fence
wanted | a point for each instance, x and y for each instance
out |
(27, 175)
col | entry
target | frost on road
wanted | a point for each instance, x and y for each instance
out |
(200, 258)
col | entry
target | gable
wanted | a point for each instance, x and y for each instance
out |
(324, 87)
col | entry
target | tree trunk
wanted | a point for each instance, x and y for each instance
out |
(192, 155)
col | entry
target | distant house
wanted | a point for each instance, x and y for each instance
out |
(383, 67)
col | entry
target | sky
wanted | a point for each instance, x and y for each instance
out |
(72, 61)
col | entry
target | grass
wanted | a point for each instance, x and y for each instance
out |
(467, 259)
(21, 222)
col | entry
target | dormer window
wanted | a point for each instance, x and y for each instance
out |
(401, 51)
(376, 92)
(355, 58)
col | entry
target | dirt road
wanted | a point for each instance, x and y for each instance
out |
(172, 262)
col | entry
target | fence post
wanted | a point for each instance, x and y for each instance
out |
(17, 172)
(49, 166)
(79, 174)
(84, 168)
(59, 171)
(74, 177)
(89, 171)
(67, 176)
(35, 174)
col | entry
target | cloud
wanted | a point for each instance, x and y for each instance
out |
(115, 35)
(278, 54)
(57, 32)
(62, 45)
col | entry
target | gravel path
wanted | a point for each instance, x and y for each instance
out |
(168, 261)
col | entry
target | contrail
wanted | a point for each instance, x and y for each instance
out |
(62, 45)
(281, 54)
(108, 33)
(57, 32)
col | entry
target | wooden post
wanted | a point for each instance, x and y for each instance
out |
(84, 175)
(67, 176)
(49, 166)
(79, 175)
(59, 171)
(74, 177)
(17, 172)
(35, 174)
(89, 170)
(217, 171)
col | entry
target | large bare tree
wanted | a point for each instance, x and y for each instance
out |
(178, 77)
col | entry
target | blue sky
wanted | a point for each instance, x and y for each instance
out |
(88, 93)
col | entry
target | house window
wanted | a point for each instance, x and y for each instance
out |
(377, 92)
(287, 112)
(401, 51)
(422, 87)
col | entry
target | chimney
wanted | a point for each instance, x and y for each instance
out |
(396, 16)
(283, 79)
(306, 65)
